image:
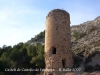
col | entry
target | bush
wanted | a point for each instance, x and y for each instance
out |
(75, 34)
(92, 28)
(77, 61)
(89, 68)
(82, 34)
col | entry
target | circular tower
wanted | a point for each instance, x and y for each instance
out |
(58, 54)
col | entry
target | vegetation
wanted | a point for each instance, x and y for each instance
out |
(38, 36)
(88, 68)
(78, 35)
(75, 34)
(92, 28)
(21, 56)
(77, 61)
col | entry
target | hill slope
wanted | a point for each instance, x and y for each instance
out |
(85, 37)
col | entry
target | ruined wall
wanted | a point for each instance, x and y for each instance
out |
(58, 41)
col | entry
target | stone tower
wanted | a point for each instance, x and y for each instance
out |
(58, 54)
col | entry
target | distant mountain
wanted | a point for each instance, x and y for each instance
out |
(85, 39)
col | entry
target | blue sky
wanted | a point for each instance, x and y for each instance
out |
(20, 20)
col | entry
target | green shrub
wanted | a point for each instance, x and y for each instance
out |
(78, 35)
(75, 34)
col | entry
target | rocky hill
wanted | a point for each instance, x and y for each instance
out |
(85, 39)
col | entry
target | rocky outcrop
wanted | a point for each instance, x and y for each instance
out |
(87, 40)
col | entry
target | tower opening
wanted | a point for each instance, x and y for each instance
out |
(63, 62)
(53, 50)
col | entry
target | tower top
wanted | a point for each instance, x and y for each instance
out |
(55, 11)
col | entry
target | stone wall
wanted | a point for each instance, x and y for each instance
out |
(58, 41)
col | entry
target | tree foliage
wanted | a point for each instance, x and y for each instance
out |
(22, 55)
(38, 36)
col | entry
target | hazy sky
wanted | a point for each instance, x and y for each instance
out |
(20, 20)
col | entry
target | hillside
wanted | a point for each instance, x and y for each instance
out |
(85, 39)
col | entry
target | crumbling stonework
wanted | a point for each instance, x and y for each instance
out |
(58, 53)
